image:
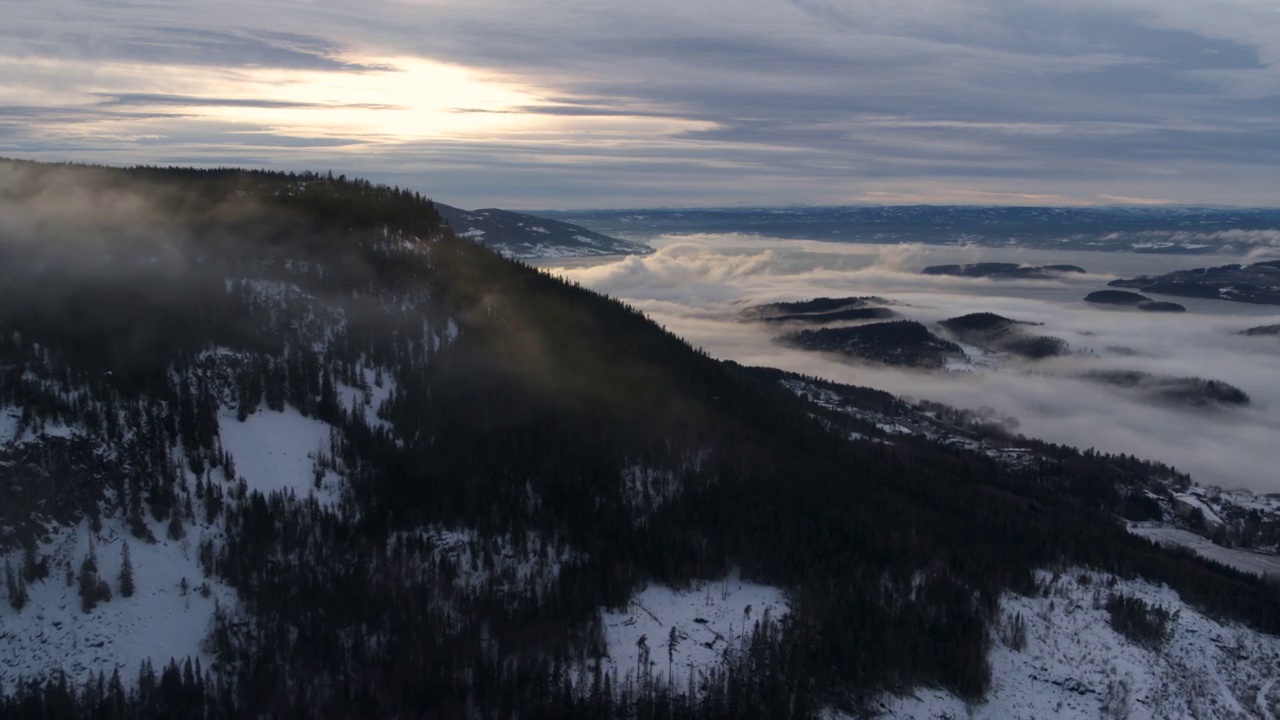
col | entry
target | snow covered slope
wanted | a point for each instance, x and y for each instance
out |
(172, 610)
(1074, 665)
(528, 236)
(1242, 560)
(168, 617)
(279, 452)
(677, 636)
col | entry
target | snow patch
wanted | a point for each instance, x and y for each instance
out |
(1074, 665)
(1190, 502)
(706, 621)
(160, 621)
(278, 452)
(1242, 560)
(9, 418)
(376, 389)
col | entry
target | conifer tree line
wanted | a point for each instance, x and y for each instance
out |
(515, 405)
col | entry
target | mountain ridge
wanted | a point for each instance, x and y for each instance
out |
(520, 235)
(394, 447)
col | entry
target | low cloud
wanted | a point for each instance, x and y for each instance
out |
(158, 99)
(697, 287)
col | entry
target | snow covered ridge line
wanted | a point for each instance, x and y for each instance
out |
(1090, 645)
(1237, 528)
(528, 237)
(549, 251)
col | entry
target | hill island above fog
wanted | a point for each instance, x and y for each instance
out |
(1256, 283)
(996, 333)
(1122, 298)
(822, 310)
(1004, 271)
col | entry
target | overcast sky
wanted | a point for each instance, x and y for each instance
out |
(605, 103)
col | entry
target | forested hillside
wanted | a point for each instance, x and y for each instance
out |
(409, 476)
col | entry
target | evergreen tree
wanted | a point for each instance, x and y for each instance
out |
(137, 523)
(176, 529)
(20, 600)
(126, 571)
(92, 589)
(34, 567)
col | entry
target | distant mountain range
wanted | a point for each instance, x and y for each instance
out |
(527, 236)
(1143, 229)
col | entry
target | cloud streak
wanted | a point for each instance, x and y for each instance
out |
(676, 103)
(159, 99)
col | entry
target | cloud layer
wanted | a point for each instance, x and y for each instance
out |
(569, 104)
(697, 287)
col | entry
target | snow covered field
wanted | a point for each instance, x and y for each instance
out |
(1242, 560)
(1075, 666)
(277, 452)
(162, 621)
(705, 621)
(8, 424)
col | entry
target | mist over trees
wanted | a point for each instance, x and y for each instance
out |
(518, 404)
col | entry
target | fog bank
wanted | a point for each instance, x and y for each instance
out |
(697, 286)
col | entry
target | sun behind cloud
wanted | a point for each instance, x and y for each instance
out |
(367, 101)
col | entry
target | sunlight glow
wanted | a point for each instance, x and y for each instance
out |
(401, 99)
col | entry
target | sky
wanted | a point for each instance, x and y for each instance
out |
(603, 103)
